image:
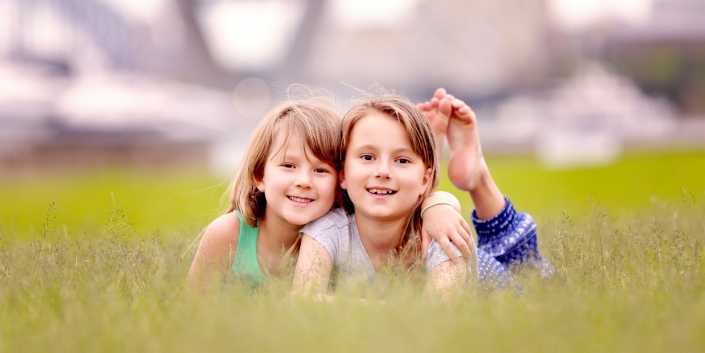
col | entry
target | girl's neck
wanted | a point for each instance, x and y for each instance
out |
(275, 239)
(379, 237)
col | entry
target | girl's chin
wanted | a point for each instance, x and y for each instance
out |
(301, 221)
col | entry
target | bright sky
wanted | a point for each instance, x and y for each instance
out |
(379, 13)
(578, 14)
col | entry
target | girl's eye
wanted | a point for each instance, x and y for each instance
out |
(321, 170)
(288, 165)
(367, 157)
(404, 160)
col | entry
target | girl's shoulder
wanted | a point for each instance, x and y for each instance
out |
(335, 218)
(224, 230)
(217, 245)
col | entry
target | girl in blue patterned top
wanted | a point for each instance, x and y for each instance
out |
(505, 237)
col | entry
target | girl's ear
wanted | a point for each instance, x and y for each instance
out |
(259, 183)
(341, 176)
(425, 182)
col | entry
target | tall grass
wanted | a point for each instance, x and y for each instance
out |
(622, 284)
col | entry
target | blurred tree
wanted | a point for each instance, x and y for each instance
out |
(676, 70)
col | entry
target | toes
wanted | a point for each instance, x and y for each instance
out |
(434, 102)
(445, 109)
(440, 93)
(457, 103)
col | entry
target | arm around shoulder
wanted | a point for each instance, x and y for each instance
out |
(216, 250)
(445, 224)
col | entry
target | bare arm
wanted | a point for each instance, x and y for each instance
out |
(447, 279)
(215, 252)
(445, 224)
(313, 269)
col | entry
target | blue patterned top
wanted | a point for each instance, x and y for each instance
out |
(505, 240)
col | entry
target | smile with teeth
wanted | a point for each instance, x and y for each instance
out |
(381, 191)
(299, 199)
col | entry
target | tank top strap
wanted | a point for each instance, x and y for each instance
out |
(245, 264)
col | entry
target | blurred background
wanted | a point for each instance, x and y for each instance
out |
(179, 85)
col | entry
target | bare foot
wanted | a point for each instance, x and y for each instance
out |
(467, 168)
(438, 111)
(467, 165)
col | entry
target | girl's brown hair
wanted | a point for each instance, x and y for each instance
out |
(314, 120)
(423, 144)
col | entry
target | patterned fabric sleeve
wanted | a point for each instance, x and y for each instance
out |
(510, 237)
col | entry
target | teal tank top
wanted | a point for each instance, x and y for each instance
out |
(245, 263)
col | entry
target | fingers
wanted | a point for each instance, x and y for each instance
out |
(467, 235)
(461, 245)
(461, 239)
(449, 250)
(425, 242)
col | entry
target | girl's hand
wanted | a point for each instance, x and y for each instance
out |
(444, 223)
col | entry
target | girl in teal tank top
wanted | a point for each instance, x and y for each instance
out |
(287, 178)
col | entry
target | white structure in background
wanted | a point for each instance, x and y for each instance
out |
(587, 120)
(83, 83)
(49, 120)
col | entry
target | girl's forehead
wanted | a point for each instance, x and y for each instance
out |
(380, 125)
(291, 144)
(287, 141)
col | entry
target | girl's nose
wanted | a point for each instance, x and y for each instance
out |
(383, 170)
(303, 179)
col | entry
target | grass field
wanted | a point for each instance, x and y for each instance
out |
(96, 262)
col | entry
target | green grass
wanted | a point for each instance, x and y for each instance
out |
(79, 272)
(164, 202)
(636, 182)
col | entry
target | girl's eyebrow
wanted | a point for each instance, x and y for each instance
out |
(297, 156)
(375, 148)
(284, 155)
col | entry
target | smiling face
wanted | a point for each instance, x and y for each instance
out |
(382, 174)
(298, 187)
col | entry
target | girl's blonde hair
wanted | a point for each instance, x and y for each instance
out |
(314, 120)
(422, 140)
